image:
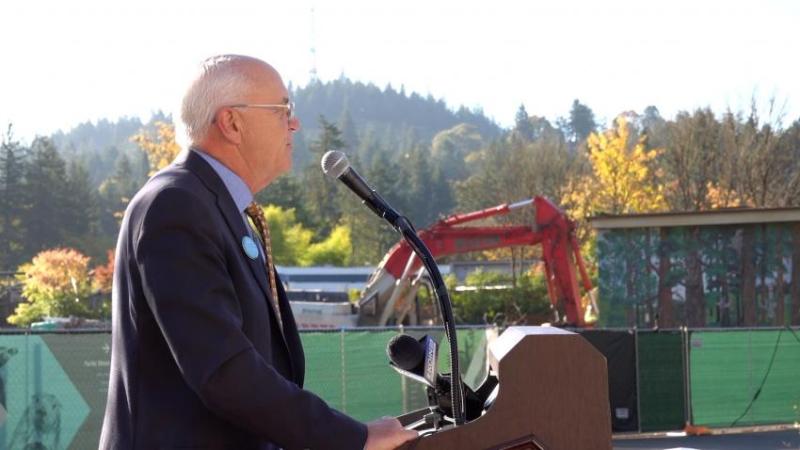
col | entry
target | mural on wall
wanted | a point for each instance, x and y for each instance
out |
(700, 276)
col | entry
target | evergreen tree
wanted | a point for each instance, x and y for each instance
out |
(372, 237)
(115, 193)
(46, 197)
(348, 129)
(321, 192)
(523, 130)
(80, 212)
(581, 121)
(12, 202)
(287, 193)
(418, 175)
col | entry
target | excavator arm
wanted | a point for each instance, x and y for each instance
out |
(389, 294)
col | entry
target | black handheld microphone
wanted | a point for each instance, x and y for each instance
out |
(335, 164)
(416, 359)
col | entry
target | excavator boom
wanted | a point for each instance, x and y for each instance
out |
(392, 286)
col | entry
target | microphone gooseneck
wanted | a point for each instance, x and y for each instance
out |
(335, 164)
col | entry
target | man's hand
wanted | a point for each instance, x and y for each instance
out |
(387, 434)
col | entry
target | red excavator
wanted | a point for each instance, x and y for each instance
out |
(390, 296)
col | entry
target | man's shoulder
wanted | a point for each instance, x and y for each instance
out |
(171, 190)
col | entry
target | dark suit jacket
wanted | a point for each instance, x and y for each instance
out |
(198, 359)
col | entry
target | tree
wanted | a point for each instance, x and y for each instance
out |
(115, 193)
(581, 121)
(450, 148)
(290, 241)
(46, 176)
(374, 236)
(103, 275)
(767, 165)
(622, 179)
(161, 149)
(525, 303)
(427, 194)
(12, 202)
(348, 128)
(80, 210)
(692, 160)
(334, 251)
(523, 130)
(287, 192)
(55, 283)
(320, 192)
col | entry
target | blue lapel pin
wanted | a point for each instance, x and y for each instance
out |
(250, 247)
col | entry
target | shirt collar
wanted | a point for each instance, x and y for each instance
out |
(236, 186)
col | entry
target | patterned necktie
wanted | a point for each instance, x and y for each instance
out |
(255, 212)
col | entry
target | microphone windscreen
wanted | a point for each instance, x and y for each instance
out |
(334, 163)
(405, 352)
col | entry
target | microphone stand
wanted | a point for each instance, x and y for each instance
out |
(408, 232)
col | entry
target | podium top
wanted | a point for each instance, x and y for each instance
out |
(513, 335)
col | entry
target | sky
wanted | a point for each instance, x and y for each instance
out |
(65, 62)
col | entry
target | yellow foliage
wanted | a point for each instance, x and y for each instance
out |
(719, 197)
(335, 250)
(55, 283)
(622, 180)
(161, 149)
(290, 240)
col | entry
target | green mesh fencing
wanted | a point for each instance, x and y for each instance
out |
(662, 404)
(53, 386)
(350, 369)
(749, 377)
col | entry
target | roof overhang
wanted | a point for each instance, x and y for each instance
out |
(702, 218)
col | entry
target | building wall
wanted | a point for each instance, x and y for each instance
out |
(700, 276)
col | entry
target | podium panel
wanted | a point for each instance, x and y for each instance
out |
(552, 395)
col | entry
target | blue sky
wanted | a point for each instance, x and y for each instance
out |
(66, 62)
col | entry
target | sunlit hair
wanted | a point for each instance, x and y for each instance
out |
(221, 81)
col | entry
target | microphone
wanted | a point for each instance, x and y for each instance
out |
(335, 165)
(416, 359)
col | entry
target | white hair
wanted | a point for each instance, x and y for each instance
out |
(221, 82)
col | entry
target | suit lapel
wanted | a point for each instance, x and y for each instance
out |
(233, 218)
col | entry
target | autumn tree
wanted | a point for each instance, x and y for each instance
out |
(56, 283)
(622, 180)
(623, 176)
(161, 147)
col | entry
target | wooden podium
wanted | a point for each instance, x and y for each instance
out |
(553, 395)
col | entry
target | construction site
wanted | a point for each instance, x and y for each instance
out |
(693, 374)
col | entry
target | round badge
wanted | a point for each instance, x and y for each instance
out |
(250, 247)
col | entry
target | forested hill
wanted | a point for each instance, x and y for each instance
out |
(371, 119)
(391, 118)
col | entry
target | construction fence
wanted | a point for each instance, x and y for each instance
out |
(53, 385)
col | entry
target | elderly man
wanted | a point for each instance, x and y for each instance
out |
(205, 352)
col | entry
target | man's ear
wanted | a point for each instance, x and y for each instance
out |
(229, 124)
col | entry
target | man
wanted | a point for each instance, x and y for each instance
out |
(205, 351)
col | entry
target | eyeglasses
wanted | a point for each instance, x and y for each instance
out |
(289, 107)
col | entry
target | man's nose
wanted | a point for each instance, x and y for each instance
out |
(294, 124)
